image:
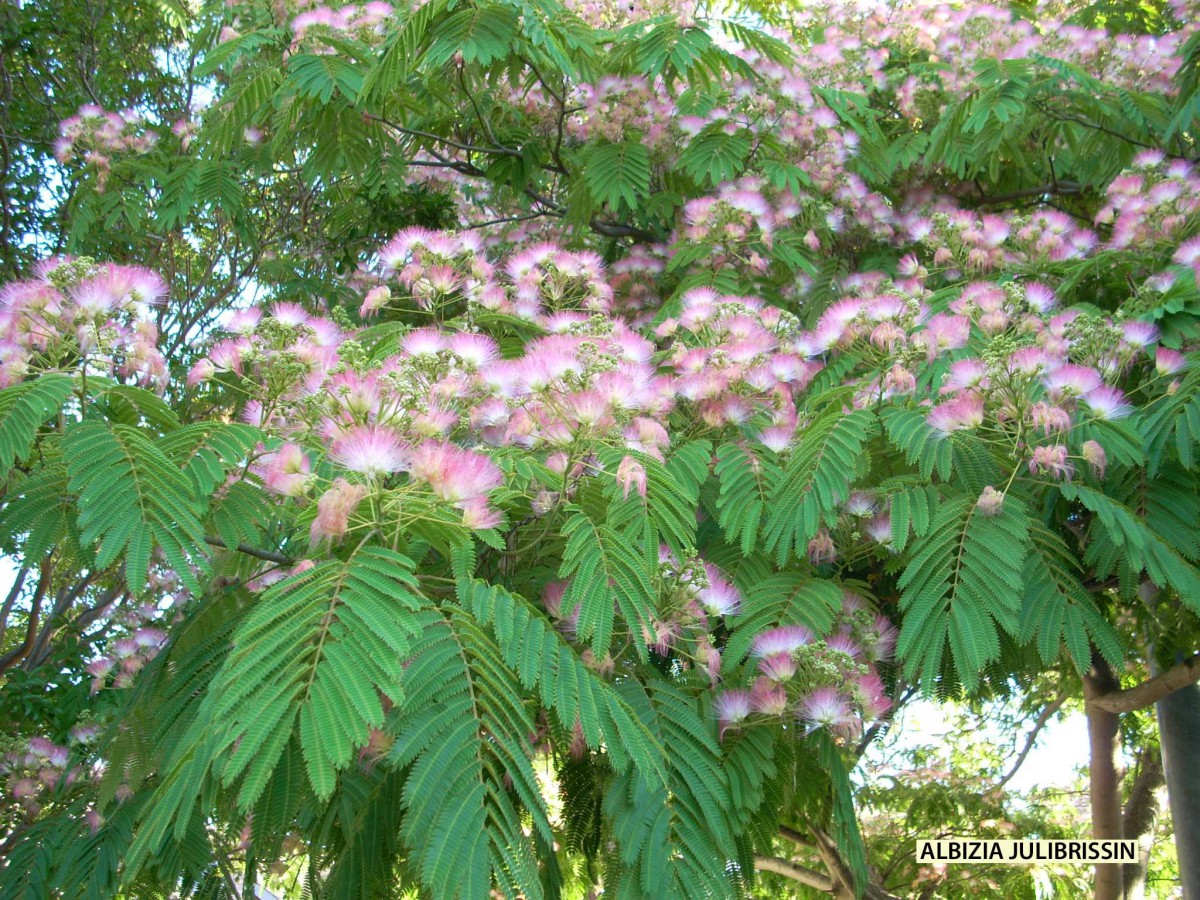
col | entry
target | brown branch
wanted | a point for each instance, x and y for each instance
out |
(1042, 719)
(1150, 691)
(449, 142)
(796, 837)
(52, 624)
(795, 872)
(10, 601)
(14, 656)
(268, 555)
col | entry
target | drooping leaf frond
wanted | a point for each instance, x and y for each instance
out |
(963, 580)
(24, 408)
(816, 479)
(132, 499)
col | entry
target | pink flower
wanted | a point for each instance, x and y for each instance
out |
(454, 474)
(478, 515)
(731, 707)
(475, 349)
(334, 509)
(768, 698)
(370, 450)
(423, 342)
(963, 412)
(1053, 461)
(821, 549)
(871, 695)
(631, 475)
(1095, 457)
(882, 639)
(1168, 362)
(1072, 380)
(1107, 403)
(784, 639)
(990, 502)
(288, 471)
(826, 706)
(844, 643)
(1139, 333)
(375, 300)
(720, 597)
(777, 666)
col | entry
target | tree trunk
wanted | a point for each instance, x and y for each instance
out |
(1179, 736)
(1141, 819)
(1104, 784)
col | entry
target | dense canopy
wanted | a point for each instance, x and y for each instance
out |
(522, 448)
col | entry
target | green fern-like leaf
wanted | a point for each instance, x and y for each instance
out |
(1121, 535)
(132, 498)
(610, 570)
(39, 511)
(921, 445)
(673, 840)
(748, 480)
(963, 580)
(315, 654)
(618, 174)
(24, 408)
(713, 156)
(1174, 422)
(462, 729)
(543, 659)
(816, 479)
(1057, 611)
(208, 452)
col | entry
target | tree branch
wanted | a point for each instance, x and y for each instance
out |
(268, 555)
(1150, 691)
(14, 656)
(1042, 719)
(795, 872)
(11, 599)
(449, 142)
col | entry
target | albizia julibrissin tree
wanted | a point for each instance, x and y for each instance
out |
(763, 366)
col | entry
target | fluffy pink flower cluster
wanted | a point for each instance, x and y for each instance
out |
(74, 314)
(739, 213)
(868, 32)
(633, 279)
(33, 772)
(614, 107)
(1151, 201)
(126, 656)
(607, 14)
(734, 357)
(1057, 374)
(364, 21)
(830, 683)
(94, 136)
(962, 240)
(436, 269)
